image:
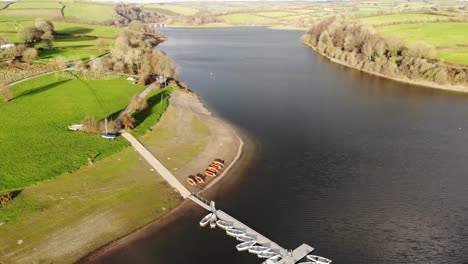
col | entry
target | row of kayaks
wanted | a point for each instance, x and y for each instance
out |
(212, 171)
(214, 168)
(197, 179)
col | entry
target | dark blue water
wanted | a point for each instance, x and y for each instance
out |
(364, 169)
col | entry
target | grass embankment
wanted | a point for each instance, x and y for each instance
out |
(443, 36)
(62, 220)
(37, 121)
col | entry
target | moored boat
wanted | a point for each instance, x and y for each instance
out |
(205, 220)
(213, 221)
(269, 261)
(199, 179)
(223, 224)
(214, 170)
(210, 174)
(75, 127)
(318, 259)
(268, 254)
(216, 165)
(234, 232)
(245, 245)
(244, 238)
(258, 249)
(191, 181)
(219, 162)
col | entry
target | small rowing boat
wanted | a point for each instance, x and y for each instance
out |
(216, 165)
(234, 232)
(258, 249)
(191, 181)
(205, 220)
(199, 179)
(210, 174)
(213, 221)
(223, 224)
(245, 245)
(268, 254)
(245, 238)
(75, 127)
(318, 259)
(213, 170)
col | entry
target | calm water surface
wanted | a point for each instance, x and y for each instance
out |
(364, 169)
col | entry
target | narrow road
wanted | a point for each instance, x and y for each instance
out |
(156, 164)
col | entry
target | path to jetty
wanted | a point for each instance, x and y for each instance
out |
(156, 164)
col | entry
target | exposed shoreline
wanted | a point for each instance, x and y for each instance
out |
(242, 159)
(426, 84)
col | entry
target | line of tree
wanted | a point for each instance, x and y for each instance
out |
(126, 13)
(359, 46)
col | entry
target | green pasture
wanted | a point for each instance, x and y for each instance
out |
(37, 120)
(89, 11)
(275, 14)
(83, 29)
(244, 18)
(35, 5)
(44, 13)
(48, 54)
(179, 9)
(456, 56)
(437, 34)
(403, 18)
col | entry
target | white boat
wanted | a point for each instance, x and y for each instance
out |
(275, 258)
(268, 254)
(269, 261)
(213, 221)
(258, 249)
(307, 262)
(205, 220)
(318, 259)
(75, 127)
(234, 232)
(245, 245)
(245, 238)
(223, 224)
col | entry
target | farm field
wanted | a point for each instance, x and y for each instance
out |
(177, 9)
(403, 18)
(89, 11)
(37, 119)
(456, 56)
(63, 219)
(437, 34)
(242, 18)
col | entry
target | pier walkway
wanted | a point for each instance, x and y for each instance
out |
(156, 164)
(286, 257)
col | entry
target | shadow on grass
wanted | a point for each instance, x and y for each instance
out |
(40, 89)
(153, 102)
(75, 30)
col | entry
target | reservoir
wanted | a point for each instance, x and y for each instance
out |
(364, 169)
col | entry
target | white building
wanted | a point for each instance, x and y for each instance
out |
(7, 46)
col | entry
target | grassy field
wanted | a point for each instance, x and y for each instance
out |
(65, 218)
(91, 30)
(37, 119)
(403, 18)
(33, 13)
(242, 18)
(437, 34)
(158, 101)
(456, 56)
(89, 11)
(275, 14)
(178, 9)
(35, 5)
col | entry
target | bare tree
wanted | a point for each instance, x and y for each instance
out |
(29, 55)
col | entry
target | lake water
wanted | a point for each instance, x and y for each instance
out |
(364, 169)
